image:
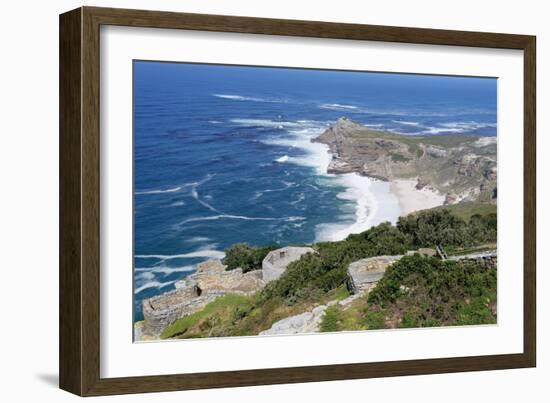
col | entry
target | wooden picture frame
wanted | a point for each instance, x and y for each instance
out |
(79, 279)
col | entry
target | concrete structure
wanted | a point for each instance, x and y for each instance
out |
(276, 261)
(365, 273)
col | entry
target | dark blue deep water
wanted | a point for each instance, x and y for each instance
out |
(223, 155)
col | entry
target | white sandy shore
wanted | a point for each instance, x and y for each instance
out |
(412, 199)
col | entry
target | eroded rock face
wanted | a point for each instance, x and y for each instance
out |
(276, 261)
(365, 273)
(194, 292)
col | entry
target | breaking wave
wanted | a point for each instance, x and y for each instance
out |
(202, 252)
(153, 284)
(338, 107)
(235, 97)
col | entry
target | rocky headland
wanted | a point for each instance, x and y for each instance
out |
(457, 167)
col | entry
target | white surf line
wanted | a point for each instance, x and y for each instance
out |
(153, 284)
(200, 253)
(174, 189)
(221, 214)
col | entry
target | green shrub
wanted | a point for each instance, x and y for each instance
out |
(440, 226)
(422, 291)
(330, 320)
(246, 257)
(374, 319)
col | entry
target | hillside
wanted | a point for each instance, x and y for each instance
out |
(462, 167)
(375, 279)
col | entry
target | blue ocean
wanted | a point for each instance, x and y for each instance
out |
(223, 154)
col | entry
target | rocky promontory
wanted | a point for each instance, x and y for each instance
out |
(460, 167)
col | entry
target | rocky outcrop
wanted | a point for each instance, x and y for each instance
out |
(365, 273)
(194, 292)
(211, 278)
(307, 322)
(453, 165)
(210, 281)
(276, 261)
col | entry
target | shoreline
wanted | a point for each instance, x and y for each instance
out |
(412, 199)
(376, 201)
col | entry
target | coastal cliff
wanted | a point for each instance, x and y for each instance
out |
(461, 168)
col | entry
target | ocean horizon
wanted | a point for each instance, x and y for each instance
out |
(223, 155)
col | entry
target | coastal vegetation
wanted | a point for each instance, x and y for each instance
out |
(416, 291)
(246, 257)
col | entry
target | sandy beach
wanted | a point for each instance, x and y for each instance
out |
(411, 199)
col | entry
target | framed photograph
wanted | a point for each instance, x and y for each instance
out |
(249, 201)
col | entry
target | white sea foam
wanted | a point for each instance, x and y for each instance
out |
(176, 188)
(316, 154)
(235, 97)
(282, 159)
(239, 217)
(299, 135)
(177, 204)
(301, 197)
(148, 272)
(196, 239)
(457, 127)
(152, 284)
(406, 123)
(202, 252)
(374, 204)
(268, 123)
(158, 191)
(485, 141)
(226, 216)
(286, 184)
(338, 107)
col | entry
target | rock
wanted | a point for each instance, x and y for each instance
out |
(276, 261)
(421, 184)
(212, 278)
(351, 298)
(427, 252)
(435, 152)
(162, 310)
(491, 173)
(194, 292)
(140, 333)
(451, 198)
(364, 273)
(307, 322)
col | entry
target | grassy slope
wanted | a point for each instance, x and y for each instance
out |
(237, 315)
